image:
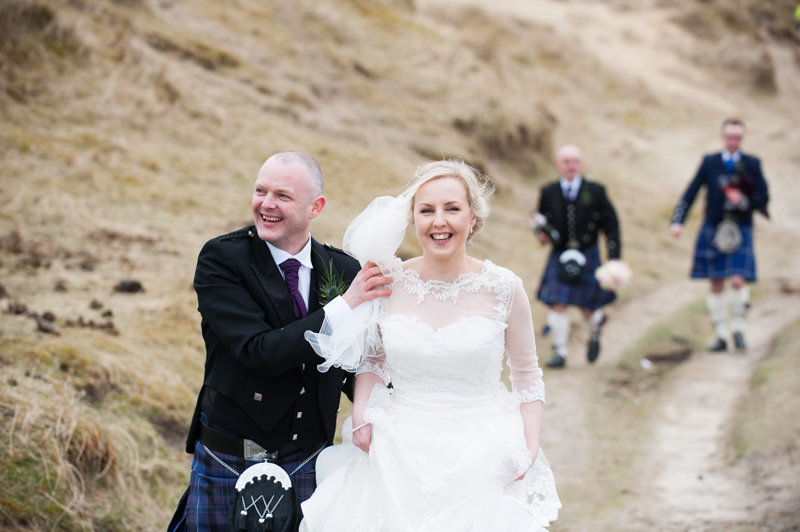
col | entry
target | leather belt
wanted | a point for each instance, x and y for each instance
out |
(241, 447)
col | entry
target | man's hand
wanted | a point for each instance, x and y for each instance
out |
(543, 238)
(368, 284)
(676, 229)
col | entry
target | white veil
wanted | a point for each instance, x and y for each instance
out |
(373, 236)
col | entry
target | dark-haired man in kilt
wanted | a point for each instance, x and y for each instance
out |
(574, 211)
(735, 187)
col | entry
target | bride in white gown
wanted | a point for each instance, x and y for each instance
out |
(447, 447)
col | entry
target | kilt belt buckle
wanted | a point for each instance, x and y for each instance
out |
(255, 453)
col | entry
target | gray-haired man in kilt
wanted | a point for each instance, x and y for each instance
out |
(735, 187)
(574, 210)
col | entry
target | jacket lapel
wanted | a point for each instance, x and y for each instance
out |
(720, 169)
(271, 280)
(322, 262)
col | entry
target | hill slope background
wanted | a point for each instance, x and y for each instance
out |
(132, 131)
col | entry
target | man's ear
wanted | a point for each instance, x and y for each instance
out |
(316, 206)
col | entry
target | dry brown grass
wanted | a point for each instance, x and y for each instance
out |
(735, 35)
(130, 134)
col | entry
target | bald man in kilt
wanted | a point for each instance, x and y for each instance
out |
(735, 188)
(259, 290)
(574, 211)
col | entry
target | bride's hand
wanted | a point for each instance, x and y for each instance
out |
(368, 284)
(534, 454)
(362, 438)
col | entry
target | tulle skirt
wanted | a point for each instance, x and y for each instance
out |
(438, 462)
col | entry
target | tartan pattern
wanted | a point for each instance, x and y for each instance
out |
(586, 294)
(211, 486)
(710, 263)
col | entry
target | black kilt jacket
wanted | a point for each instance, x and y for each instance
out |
(259, 368)
(751, 183)
(579, 222)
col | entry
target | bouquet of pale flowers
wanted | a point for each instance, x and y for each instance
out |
(613, 275)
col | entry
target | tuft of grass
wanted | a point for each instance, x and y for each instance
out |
(203, 54)
(29, 31)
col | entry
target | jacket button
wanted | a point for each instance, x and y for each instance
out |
(257, 396)
(299, 415)
(302, 391)
(303, 366)
(294, 437)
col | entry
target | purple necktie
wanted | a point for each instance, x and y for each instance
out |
(290, 268)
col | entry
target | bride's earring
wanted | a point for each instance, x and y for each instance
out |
(470, 230)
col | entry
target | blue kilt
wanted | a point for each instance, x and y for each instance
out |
(211, 487)
(710, 263)
(586, 294)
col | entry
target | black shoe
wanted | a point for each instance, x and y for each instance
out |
(738, 341)
(556, 361)
(594, 348)
(594, 342)
(718, 345)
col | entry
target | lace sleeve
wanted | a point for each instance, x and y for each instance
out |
(376, 364)
(526, 375)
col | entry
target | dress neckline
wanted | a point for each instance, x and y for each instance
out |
(412, 274)
(470, 282)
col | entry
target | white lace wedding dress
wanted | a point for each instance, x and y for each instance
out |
(448, 438)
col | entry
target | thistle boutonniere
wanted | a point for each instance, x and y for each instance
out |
(330, 285)
(586, 197)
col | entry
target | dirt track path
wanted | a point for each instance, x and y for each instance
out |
(567, 438)
(687, 480)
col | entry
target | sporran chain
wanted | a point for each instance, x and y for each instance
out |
(232, 470)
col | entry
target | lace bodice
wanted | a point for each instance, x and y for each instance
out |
(451, 337)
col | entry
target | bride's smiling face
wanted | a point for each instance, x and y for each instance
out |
(443, 217)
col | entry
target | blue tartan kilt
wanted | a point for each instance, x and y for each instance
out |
(212, 485)
(710, 263)
(586, 294)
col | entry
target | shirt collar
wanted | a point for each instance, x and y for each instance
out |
(728, 156)
(575, 184)
(304, 257)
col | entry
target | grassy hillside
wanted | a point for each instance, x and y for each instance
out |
(131, 132)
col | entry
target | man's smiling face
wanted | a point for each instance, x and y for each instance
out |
(284, 205)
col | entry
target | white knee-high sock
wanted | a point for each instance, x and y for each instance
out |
(596, 321)
(745, 290)
(738, 299)
(716, 309)
(559, 328)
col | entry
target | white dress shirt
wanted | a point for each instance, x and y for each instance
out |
(337, 310)
(573, 186)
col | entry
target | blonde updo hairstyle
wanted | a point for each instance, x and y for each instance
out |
(479, 187)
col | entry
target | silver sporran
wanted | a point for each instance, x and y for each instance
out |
(727, 237)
